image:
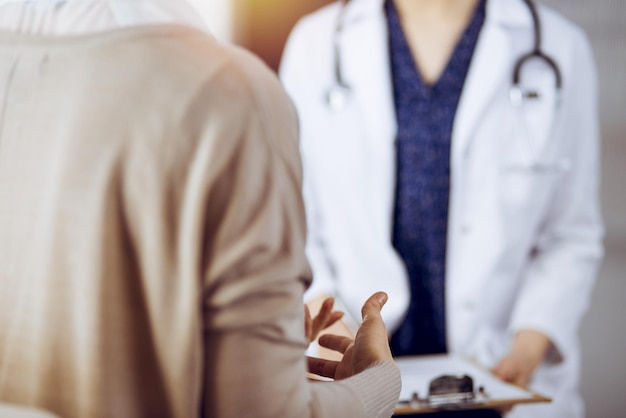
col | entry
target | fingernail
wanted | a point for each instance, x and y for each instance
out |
(381, 298)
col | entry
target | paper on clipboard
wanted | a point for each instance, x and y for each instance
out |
(418, 372)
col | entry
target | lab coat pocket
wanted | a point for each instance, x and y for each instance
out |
(524, 185)
(525, 192)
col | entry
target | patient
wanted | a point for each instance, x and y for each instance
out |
(152, 229)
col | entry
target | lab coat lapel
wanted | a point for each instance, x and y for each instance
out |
(490, 67)
(365, 58)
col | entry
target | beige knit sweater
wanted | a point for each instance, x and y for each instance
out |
(152, 233)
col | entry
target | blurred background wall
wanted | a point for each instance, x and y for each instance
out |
(604, 329)
(263, 25)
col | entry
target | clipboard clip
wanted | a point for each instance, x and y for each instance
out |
(450, 392)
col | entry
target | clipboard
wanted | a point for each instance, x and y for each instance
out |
(486, 391)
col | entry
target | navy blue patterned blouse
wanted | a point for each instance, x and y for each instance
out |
(425, 115)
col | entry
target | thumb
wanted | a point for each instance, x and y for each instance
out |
(373, 305)
(371, 342)
(504, 370)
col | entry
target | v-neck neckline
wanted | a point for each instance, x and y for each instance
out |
(400, 41)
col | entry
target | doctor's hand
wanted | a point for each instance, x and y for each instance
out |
(368, 347)
(324, 319)
(518, 366)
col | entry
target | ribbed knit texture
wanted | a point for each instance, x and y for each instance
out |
(383, 380)
(425, 117)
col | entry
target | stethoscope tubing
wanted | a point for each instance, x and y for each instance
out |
(340, 86)
(536, 52)
(339, 91)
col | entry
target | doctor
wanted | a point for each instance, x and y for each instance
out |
(450, 151)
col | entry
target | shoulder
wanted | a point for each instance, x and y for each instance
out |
(569, 44)
(556, 20)
(314, 30)
(560, 32)
(208, 92)
(245, 99)
(255, 81)
(323, 19)
(193, 60)
(190, 71)
(309, 47)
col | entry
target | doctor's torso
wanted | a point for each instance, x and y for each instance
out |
(498, 206)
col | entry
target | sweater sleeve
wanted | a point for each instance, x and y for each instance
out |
(254, 268)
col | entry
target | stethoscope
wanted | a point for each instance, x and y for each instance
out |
(338, 94)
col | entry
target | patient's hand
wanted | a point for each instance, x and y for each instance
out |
(369, 346)
(324, 319)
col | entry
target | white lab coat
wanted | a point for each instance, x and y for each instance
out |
(523, 247)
